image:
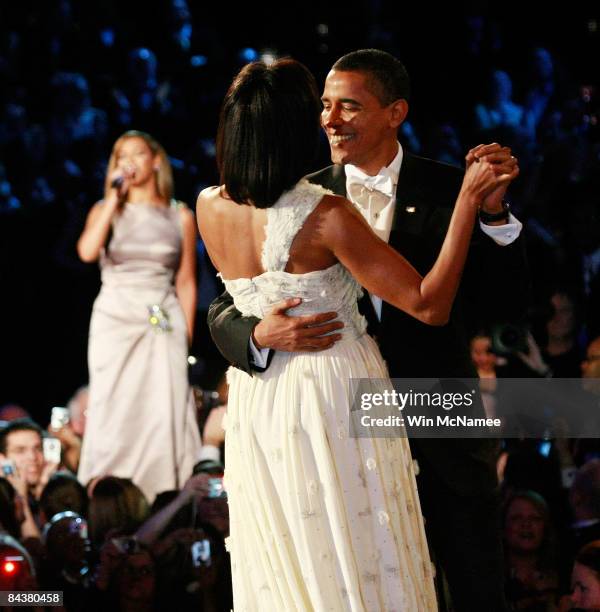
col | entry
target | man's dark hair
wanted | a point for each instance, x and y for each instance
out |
(387, 78)
(268, 131)
(17, 425)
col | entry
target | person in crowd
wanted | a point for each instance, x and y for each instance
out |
(590, 367)
(66, 563)
(585, 580)
(532, 576)
(500, 115)
(71, 433)
(140, 418)
(584, 500)
(63, 492)
(117, 507)
(190, 566)
(21, 443)
(126, 576)
(560, 349)
(486, 362)
(16, 517)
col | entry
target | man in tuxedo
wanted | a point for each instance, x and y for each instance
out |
(408, 201)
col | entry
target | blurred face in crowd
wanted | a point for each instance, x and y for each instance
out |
(562, 322)
(135, 158)
(585, 584)
(590, 368)
(361, 131)
(481, 355)
(524, 527)
(137, 578)
(25, 449)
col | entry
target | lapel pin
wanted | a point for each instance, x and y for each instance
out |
(410, 209)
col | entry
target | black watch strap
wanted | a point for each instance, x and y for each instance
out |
(499, 216)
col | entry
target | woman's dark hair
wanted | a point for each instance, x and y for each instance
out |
(116, 504)
(268, 131)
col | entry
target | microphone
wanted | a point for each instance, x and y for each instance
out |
(117, 182)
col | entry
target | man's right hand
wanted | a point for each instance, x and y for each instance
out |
(282, 332)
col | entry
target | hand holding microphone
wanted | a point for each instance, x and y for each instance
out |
(120, 180)
(117, 182)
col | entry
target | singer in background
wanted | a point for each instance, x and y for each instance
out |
(141, 418)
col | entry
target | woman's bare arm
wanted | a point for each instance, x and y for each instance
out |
(97, 227)
(385, 273)
(185, 280)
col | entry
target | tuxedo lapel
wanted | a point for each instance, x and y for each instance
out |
(410, 212)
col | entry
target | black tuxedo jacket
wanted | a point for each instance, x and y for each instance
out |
(494, 288)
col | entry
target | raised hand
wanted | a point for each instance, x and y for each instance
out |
(120, 179)
(490, 169)
(493, 153)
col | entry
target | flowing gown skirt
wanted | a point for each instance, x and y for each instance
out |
(141, 415)
(320, 520)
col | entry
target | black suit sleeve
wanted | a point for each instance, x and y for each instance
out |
(231, 331)
(496, 281)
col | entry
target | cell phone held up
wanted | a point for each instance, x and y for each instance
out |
(8, 467)
(216, 489)
(59, 417)
(201, 553)
(51, 450)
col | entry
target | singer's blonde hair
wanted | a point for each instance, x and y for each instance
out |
(164, 174)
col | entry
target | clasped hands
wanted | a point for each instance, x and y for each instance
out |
(502, 156)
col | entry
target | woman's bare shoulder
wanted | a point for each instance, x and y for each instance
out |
(210, 195)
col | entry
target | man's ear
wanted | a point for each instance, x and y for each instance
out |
(399, 110)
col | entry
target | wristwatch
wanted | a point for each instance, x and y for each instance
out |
(499, 216)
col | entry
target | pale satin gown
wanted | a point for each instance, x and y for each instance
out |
(319, 520)
(141, 418)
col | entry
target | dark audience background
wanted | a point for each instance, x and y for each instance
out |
(75, 75)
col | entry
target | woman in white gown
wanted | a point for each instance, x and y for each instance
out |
(320, 520)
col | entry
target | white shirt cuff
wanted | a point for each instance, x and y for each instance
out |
(209, 453)
(258, 357)
(503, 234)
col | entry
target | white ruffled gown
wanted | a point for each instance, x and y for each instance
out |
(319, 520)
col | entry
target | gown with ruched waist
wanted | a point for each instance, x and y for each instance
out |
(141, 418)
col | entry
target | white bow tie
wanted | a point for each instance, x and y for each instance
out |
(382, 182)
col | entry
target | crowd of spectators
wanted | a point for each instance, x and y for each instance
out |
(106, 546)
(76, 75)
